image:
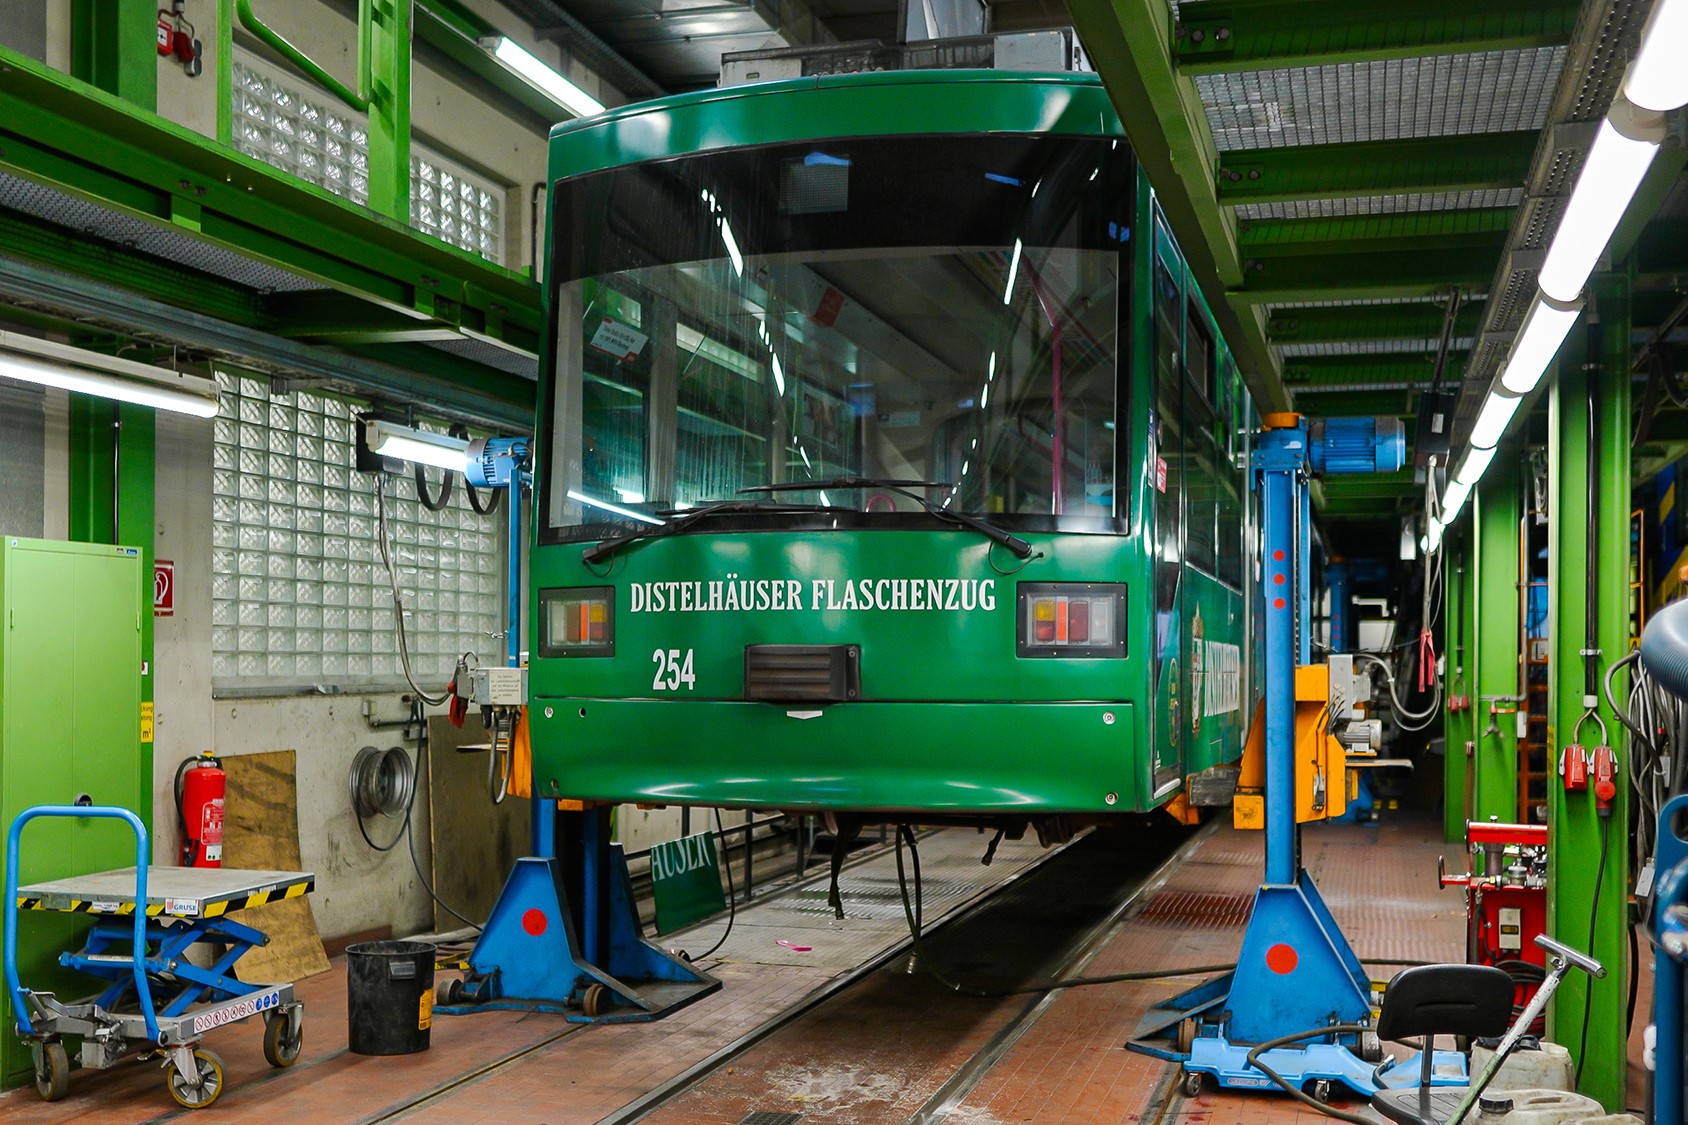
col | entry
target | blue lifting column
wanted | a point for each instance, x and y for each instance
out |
(1296, 975)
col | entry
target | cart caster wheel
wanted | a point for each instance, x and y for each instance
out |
(280, 1050)
(448, 992)
(203, 1088)
(52, 1070)
(1192, 1083)
(1321, 1091)
(596, 1001)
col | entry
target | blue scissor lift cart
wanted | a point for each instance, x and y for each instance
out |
(157, 1003)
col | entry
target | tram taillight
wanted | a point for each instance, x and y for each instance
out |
(1081, 619)
(578, 621)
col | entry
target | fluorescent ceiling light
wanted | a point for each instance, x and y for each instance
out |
(1545, 326)
(1432, 538)
(61, 366)
(442, 451)
(1474, 465)
(1656, 78)
(1622, 152)
(542, 77)
(616, 508)
(1493, 419)
(1453, 500)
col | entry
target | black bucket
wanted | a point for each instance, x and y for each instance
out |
(389, 996)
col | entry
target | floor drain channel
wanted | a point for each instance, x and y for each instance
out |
(769, 1117)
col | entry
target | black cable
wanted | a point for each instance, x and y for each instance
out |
(444, 498)
(1634, 980)
(1314, 1033)
(1593, 920)
(732, 891)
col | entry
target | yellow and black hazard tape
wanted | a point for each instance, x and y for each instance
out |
(169, 908)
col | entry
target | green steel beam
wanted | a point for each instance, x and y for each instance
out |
(1462, 162)
(1333, 324)
(389, 109)
(68, 135)
(1459, 727)
(1367, 233)
(113, 47)
(1403, 268)
(1498, 622)
(1356, 370)
(1231, 35)
(1589, 855)
(1129, 41)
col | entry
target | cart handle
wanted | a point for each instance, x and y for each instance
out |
(90, 812)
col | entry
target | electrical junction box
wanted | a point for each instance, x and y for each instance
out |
(72, 728)
(498, 687)
(1511, 928)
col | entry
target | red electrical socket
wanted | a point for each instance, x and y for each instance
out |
(1605, 770)
(1573, 768)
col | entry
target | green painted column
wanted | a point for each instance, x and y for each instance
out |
(389, 109)
(1459, 645)
(1589, 855)
(1495, 617)
(113, 485)
(112, 46)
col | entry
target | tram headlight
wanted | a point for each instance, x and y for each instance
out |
(577, 621)
(1072, 619)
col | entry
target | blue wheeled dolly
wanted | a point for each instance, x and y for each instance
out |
(158, 1003)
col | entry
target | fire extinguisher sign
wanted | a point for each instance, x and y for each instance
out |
(163, 588)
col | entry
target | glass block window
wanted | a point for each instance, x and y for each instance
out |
(299, 595)
(285, 123)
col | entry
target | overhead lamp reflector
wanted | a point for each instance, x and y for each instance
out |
(1493, 419)
(1545, 326)
(1656, 78)
(1622, 151)
(419, 447)
(47, 364)
(1453, 500)
(1473, 465)
(542, 77)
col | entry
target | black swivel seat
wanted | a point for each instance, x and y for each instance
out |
(1470, 1000)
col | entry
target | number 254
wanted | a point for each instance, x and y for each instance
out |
(671, 671)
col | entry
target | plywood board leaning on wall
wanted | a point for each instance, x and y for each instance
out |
(261, 832)
(475, 843)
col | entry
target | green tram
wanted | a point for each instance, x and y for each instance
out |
(890, 463)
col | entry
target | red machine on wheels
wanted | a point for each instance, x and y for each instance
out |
(200, 787)
(1505, 900)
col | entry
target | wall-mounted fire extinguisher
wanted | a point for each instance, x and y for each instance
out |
(200, 786)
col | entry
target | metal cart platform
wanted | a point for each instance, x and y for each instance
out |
(158, 1002)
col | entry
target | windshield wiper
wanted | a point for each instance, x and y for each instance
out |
(684, 518)
(995, 534)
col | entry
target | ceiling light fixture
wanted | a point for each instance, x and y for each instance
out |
(419, 447)
(1545, 326)
(1493, 419)
(1656, 78)
(1623, 150)
(541, 76)
(48, 364)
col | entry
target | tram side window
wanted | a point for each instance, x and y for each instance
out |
(1232, 481)
(1203, 465)
(1168, 433)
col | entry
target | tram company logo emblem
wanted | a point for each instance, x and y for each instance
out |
(1198, 678)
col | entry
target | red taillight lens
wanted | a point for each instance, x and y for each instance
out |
(577, 622)
(1072, 619)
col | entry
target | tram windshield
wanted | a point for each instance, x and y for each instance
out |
(937, 309)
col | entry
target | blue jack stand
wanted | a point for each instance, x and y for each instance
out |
(1296, 974)
(563, 937)
(577, 950)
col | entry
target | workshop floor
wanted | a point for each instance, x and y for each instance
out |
(1068, 1067)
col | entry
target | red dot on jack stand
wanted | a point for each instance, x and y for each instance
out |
(1282, 959)
(535, 922)
(1277, 603)
(1277, 579)
(1278, 556)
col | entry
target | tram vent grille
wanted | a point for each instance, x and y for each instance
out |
(770, 1117)
(803, 673)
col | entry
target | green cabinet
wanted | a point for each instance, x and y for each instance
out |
(70, 727)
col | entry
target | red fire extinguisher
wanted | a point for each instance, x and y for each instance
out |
(200, 785)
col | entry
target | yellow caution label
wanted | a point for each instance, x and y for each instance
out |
(425, 1011)
(146, 722)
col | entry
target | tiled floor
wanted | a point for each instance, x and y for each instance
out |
(898, 1035)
